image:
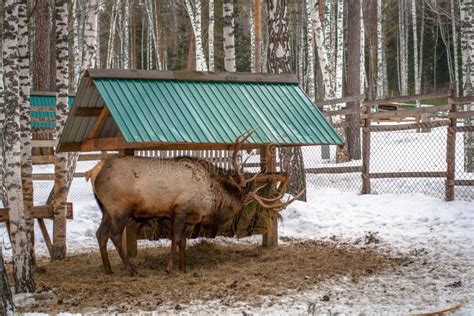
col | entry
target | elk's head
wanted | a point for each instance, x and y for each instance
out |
(243, 185)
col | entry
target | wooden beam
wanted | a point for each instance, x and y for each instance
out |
(356, 98)
(43, 143)
(462, 114)
(49, 159)
(192, 76)
(344, 169)
(99, 123)
(422, 174)
(42, 211)
(342, 112)
(451, 153)
(463, 100)
(402, 127)
(86, 111)
(268, 161)
(463, 182)
(43, 109)
(465, 129)
(409, 98)
(401, 113)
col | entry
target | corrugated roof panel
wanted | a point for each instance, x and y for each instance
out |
(213, 112)
(48, 101)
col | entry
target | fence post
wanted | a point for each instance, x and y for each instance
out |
(268, 165)
(451, 151)
(366, 152)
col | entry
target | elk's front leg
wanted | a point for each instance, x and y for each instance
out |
(178, 224)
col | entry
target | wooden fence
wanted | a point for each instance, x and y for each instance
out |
(424, 118)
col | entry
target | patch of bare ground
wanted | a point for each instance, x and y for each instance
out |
(228, 272)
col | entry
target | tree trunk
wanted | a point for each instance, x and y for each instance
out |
(52, 49)
(403, 48)
(193, 7)
(229, 39)
(455, 45)
(111, 44)
(291, 159)
(62, 111)
(380, 60)
(41, 56)
(126, 35)
(211, 35)
(6, 300)
(257, 13)
(339, 55)
(467, 48)
(22, 260)
(25, 124)
(153, 32)
(353, 76)
(3, 191)
(310, 46)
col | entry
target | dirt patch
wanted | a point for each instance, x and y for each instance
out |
(228, 272)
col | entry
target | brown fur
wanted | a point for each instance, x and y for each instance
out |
(187, 190)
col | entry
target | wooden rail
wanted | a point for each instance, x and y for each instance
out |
(344, 169)
(41, 211)
(418, 174)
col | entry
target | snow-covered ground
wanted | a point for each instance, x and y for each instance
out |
(438, 235)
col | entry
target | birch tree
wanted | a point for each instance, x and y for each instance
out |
(455, 45)
(22, 259)
(229, 39)
(278, 63)
(467, 48)
(416, 76)
(111, 41)
(339, 54)
(126, 35)
(6, 299)
(310, 47)
(153, 33)
(62, 111)
(193, 8)
(3, 193)
(25, 122)
(89, 52)
(211, 35)
(380, 59)
(402, 48)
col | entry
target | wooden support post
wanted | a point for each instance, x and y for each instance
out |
(131, 231)
(44, 232)
(366, 154)
(268, 165)
(451, 152)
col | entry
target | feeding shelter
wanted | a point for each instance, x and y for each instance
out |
(133, 110)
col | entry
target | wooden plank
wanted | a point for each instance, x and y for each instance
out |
(50, 176)
(86, 111)
(342, 112)
(451, 153)
(42, 160)
(321, 103)
(43, 143)
(463, 100)
(43, 93)
(99, 123)
(192, 76)
(463, 114)
(344, 169)
(43, 109)
(401, 127)
(46, 237)
(415, 174)
(408, 98)
(464, 129)
(41, 211)
(43, 120)
(463, 182)
(402, 113)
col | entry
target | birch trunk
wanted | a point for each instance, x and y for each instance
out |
(111, 44)
(323, 55)
(25, 123)
(229, 39)
(380, 60)
(415, 51)
(153, 33)
(126, 35)
(403, 49)
(3, 192)
(62, 110)
(89, 53)
(22, 260)
(467, 48)
(363, 72)
(310, 46)
(6, 300)
(279, 62)
(455, 45)
(211, 35)
(193, 7)
(252, 37)
(339, 54)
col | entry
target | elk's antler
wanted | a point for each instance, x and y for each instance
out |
(275, 203)
(241, 183)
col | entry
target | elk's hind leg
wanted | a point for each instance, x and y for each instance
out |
(116, 232)
(178, 225)
(102, 235)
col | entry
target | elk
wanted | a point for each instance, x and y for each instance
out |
(184, 189)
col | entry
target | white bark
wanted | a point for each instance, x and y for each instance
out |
(455, 46)
(154, 36)
(111, 42)
(3, 193)
(193, 7)
(211, 34)
(380, 46)
(89, 53)
(339, 54)
(229, 39)
(252, 38)
(415, 51)
(363, 72)
(467, 48)
(403, 48)
(310, 47)
(323, 55)
(22, 259)
(126, 35)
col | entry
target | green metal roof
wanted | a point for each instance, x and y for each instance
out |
(44, 100)
(169, 108)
